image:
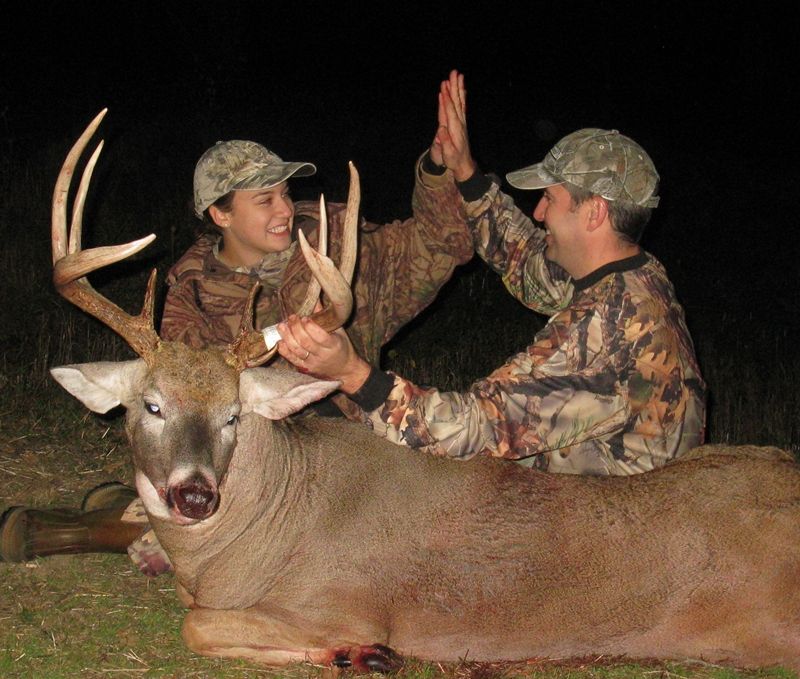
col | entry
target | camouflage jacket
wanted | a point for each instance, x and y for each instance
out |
(609, 386)
(400, 268)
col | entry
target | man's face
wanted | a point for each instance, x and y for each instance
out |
(561, 220)
(259, 222)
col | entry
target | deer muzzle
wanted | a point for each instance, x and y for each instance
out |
(193, 498)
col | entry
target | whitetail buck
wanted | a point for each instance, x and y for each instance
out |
(312, 539)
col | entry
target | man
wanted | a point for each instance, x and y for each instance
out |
(611, 384)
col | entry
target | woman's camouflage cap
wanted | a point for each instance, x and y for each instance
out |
(240, 166)
(604, 162)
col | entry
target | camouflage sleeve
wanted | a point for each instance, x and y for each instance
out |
(510, 243)
(532, 404)
(402, 265)
(605, 388)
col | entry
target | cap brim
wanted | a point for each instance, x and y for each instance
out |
(301, 169)
(272, 176)
(532, 177)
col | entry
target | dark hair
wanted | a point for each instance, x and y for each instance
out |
(207, 226)
(627, 219)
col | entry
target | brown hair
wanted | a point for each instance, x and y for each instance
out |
(207, 226)
(628, 219)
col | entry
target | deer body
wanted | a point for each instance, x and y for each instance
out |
(369, 543)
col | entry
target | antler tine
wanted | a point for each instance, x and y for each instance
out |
(350, 238)
(350, 245)
(337, 289)
(336, 282)
(61, 192)
(71, 265)
(312, 293)
(322, 241)
(249, 347)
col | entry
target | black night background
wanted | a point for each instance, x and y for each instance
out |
(705, 89)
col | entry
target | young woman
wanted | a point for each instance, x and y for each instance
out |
(241, 192)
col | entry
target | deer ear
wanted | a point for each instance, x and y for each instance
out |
(99, 386)
(275, 394)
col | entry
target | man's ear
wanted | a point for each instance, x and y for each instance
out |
(221, 218)
(598, 212)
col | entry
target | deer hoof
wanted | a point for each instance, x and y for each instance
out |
(366, 659)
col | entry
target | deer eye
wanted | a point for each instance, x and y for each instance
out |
(233, 419)
(152, 408)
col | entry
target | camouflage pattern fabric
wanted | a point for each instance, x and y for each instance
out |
(240, 165)
(609, 386)
(401, 267)
(604, 162)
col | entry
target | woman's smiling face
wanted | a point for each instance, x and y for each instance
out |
(259, 222)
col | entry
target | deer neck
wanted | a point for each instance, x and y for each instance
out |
(255, 526)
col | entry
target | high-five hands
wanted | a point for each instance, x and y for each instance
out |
(451, 144)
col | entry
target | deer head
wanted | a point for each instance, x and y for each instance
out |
(183, 405)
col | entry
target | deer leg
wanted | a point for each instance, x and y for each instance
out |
(251, 634)
(186, 599)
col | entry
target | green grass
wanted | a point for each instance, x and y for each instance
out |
(93, 616)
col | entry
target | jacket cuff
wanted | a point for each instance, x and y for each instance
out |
(475, 187)
(374, 391)
(435, 179)
(429, 167)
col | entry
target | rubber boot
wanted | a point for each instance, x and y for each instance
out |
(29, 533)
(108, 495)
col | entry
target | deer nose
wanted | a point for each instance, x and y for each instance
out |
(194, 498)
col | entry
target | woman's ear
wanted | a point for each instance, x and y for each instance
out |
(221, 218)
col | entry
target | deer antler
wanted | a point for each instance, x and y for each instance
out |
(249, 349)
(71, 265)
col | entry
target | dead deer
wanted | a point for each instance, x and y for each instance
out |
(309, 539)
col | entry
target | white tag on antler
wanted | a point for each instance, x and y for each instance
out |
(271, 336)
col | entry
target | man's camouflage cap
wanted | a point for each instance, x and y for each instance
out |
(604, 162)
(240, 166)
